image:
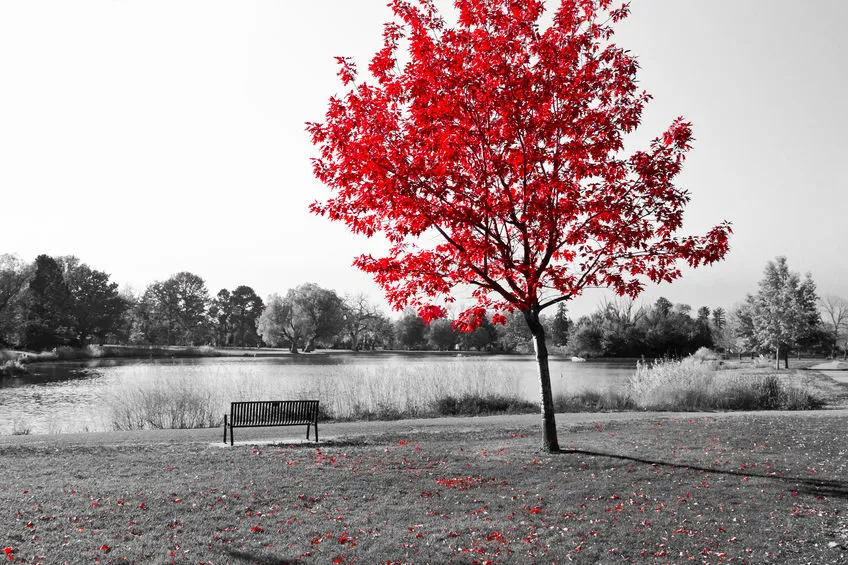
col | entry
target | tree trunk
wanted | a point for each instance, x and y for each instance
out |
(549, 433)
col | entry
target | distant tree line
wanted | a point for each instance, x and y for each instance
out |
(56, 301)
(620, 328)
(61, 301)
(785, 315)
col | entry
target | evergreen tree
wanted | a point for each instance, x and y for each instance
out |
(718, 325)
(440, 335)
(704, 336)
(245, 307)
(410, 330)
(96, 305)
(48, 319)
(14, 278)
(560, 325)
(781, 315)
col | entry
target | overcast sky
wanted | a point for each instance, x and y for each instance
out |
(149, 137)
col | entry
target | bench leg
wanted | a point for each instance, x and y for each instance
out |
(307, 431)
(316, 432)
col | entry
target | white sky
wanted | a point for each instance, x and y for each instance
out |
(149, 137)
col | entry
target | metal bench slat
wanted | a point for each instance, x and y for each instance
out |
(262, 413)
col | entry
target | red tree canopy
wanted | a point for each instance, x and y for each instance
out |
(490, 153)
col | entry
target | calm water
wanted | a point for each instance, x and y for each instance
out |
(70, 397)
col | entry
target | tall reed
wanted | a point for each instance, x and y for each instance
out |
(694, 383)
(180, 396)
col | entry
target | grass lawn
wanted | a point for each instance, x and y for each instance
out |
(737, 488)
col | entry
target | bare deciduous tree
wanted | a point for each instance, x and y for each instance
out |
(835, 312)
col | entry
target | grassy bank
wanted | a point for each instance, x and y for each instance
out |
(175, 399)
(733, 489)
(702, 382)
(169, 395)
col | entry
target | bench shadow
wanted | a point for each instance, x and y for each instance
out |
(818, 487)
(257, 559)
(356, 441)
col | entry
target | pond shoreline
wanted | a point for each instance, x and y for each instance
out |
(104, 393)
(142, 353)
(107, 393)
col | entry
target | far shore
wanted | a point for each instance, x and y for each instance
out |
(186, 351)
(141, 352)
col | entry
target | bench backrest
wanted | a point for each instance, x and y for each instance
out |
(273, 412)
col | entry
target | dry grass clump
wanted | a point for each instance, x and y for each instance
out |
(12, 368)
(180, 407)
(184, 396)
(594, 401)
(694, 383)
(482, 405)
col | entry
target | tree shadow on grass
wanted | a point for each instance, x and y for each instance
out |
(256, 559)
(818, 487)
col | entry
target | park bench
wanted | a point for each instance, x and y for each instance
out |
(263, 413)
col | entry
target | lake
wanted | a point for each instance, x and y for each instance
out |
(98, 395)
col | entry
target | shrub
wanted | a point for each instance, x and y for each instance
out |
(705, 354)
(12, 368)
(383, 412)
(64, 352)
(94, 351)
(166, 407)
(692, 384)
(769, 393)
(21, 429)
(797, 399)
(594, 401)
(762, 362)
(482, 404)
(671, 385)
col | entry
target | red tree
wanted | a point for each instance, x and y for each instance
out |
(502, 142)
